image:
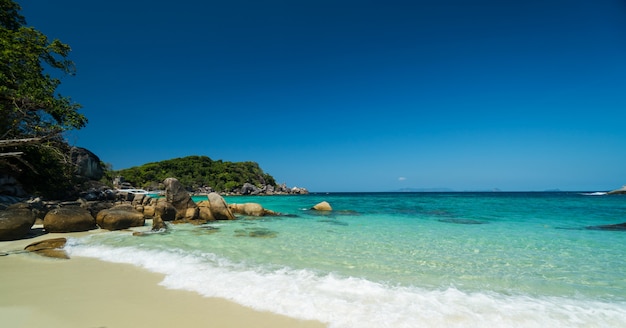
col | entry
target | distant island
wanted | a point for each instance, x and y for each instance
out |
(425, 190)
(201, 174)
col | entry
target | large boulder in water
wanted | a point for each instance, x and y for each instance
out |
(68, 219)
(250, 209)
(15, 222)
(219, 208)
(322, 206)
(120, 217)
(176, 195)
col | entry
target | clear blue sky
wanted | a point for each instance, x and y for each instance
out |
(355, 95)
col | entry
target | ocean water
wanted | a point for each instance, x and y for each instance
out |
(401, 259)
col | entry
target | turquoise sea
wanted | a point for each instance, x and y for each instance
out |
(401, 259)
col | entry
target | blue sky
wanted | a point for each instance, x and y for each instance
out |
(355, 95)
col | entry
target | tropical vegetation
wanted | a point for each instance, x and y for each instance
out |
(33, 116)
(195, 172)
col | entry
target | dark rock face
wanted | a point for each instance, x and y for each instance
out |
(165, 210)
(68, 219)
(120, 217)
(176, 195)
(9, 187)
(249, 189)
(15, 223)
(87, 163)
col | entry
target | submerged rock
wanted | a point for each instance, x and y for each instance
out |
(610, 227)
(461, 221)
(334, 222)
(256, 233)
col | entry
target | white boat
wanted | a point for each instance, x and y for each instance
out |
(140, 192)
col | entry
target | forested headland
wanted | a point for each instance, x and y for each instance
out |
(195, 172)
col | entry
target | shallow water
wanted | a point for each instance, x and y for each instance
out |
(402, 259)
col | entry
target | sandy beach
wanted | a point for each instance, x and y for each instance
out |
(88, 293)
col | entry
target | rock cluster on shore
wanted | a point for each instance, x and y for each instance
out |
(250, 189)
(119, 210)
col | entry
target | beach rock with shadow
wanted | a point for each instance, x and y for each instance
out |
(16, 222)
(49, 248)
(120, 217)
(68, 219)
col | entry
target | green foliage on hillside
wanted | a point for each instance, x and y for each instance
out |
(33, 115)
(197, 171)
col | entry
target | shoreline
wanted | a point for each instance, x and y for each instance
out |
(83, 292)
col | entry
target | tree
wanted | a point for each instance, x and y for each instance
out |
(32, 116)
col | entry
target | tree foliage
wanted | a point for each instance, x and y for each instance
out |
(198, 171)
(29, 105)
(30, 108)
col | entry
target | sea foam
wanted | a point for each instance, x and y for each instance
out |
(343, 302)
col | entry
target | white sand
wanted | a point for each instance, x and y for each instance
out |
(88, 293)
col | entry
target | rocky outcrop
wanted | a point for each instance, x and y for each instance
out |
(120, 217)
(249, 189)
(11, 188)
(68, 219)
(322, 206)
(176, 195)
(620, 191)
(219, 208)
(87, 163)
(16, 222)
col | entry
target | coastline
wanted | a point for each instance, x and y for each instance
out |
(83, 292)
